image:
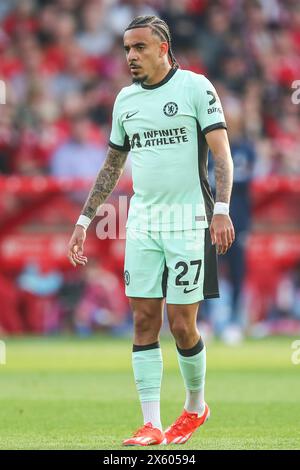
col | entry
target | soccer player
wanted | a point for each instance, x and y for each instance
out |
(167, 118)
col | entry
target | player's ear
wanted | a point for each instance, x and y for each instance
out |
(163, 50)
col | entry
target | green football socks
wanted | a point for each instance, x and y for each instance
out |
(192, 363)
(147, 367)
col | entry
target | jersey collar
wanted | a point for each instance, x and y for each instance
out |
(162, 82)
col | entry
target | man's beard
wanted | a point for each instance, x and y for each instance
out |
(140, 80)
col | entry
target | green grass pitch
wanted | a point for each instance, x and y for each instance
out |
(67, 393)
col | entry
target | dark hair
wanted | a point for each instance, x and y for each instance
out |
(158, 27)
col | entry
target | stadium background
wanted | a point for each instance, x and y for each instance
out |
(63, 63)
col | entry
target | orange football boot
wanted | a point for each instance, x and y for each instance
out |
(147, 435)
(184, 426)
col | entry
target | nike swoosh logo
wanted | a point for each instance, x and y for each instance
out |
(128, 115)
(190, 290)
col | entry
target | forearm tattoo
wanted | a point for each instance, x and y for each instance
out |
(223, 177)
(105, 182)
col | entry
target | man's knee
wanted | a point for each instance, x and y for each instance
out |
(142, 320)
(146, 318)
(180, 329)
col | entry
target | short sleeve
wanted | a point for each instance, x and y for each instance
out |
(209, 110)
(118, 137)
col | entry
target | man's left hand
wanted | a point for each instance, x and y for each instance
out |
(222, 233)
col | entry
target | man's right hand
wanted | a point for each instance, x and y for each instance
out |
(75, 253)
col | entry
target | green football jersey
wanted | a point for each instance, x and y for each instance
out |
(164, 126)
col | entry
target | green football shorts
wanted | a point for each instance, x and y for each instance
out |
(180, 265)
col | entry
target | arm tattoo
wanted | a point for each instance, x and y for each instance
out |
(223, 176)
(105, 182)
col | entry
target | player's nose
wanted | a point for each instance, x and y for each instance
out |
(131, 57)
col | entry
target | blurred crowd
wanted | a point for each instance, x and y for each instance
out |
(63, 63)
